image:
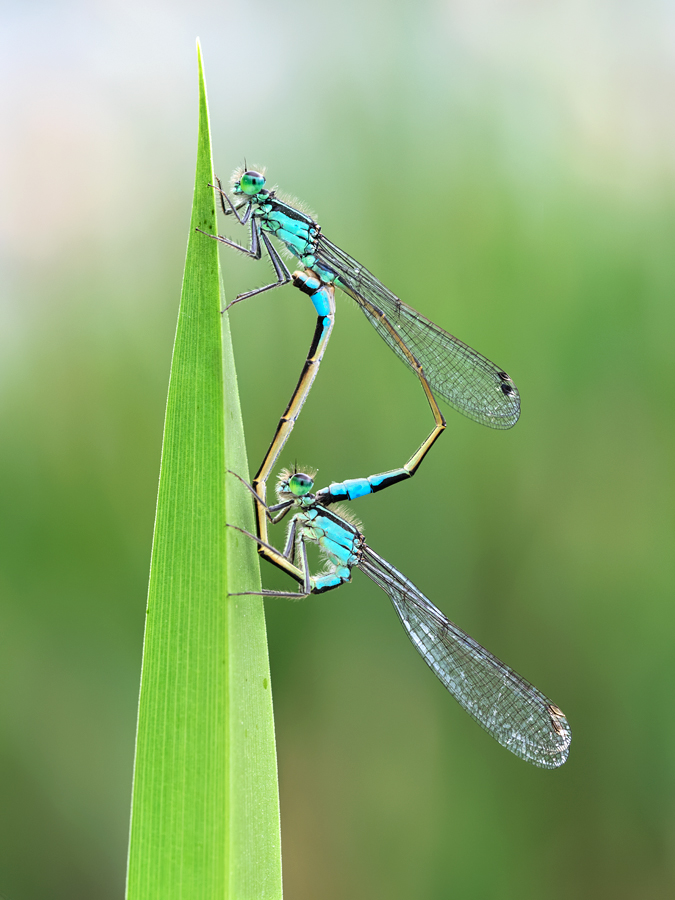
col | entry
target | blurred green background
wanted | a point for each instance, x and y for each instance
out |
(505, 167)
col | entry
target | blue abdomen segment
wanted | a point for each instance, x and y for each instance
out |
(334, 579)
(354, 488)
(316, 291)
(351, 489)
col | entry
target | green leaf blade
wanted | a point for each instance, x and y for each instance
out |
(205, 813)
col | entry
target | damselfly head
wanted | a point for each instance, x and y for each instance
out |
(295, 484)
(248, 181)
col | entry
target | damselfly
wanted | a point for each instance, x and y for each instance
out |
(509, 708)
(466, 379)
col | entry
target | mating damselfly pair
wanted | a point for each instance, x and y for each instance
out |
(512, 710)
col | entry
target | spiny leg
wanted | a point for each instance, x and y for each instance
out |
(254, 251)
(282, 561)
(269, 510)
(280, 268)
(233, 208)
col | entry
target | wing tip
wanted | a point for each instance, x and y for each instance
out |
(561, 737)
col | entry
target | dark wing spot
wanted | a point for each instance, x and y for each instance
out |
(556, 714)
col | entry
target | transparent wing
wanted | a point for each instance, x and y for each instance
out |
(465, 379)
(509, 708)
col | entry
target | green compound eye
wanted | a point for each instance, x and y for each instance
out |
(300, 484)
(252, 183)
